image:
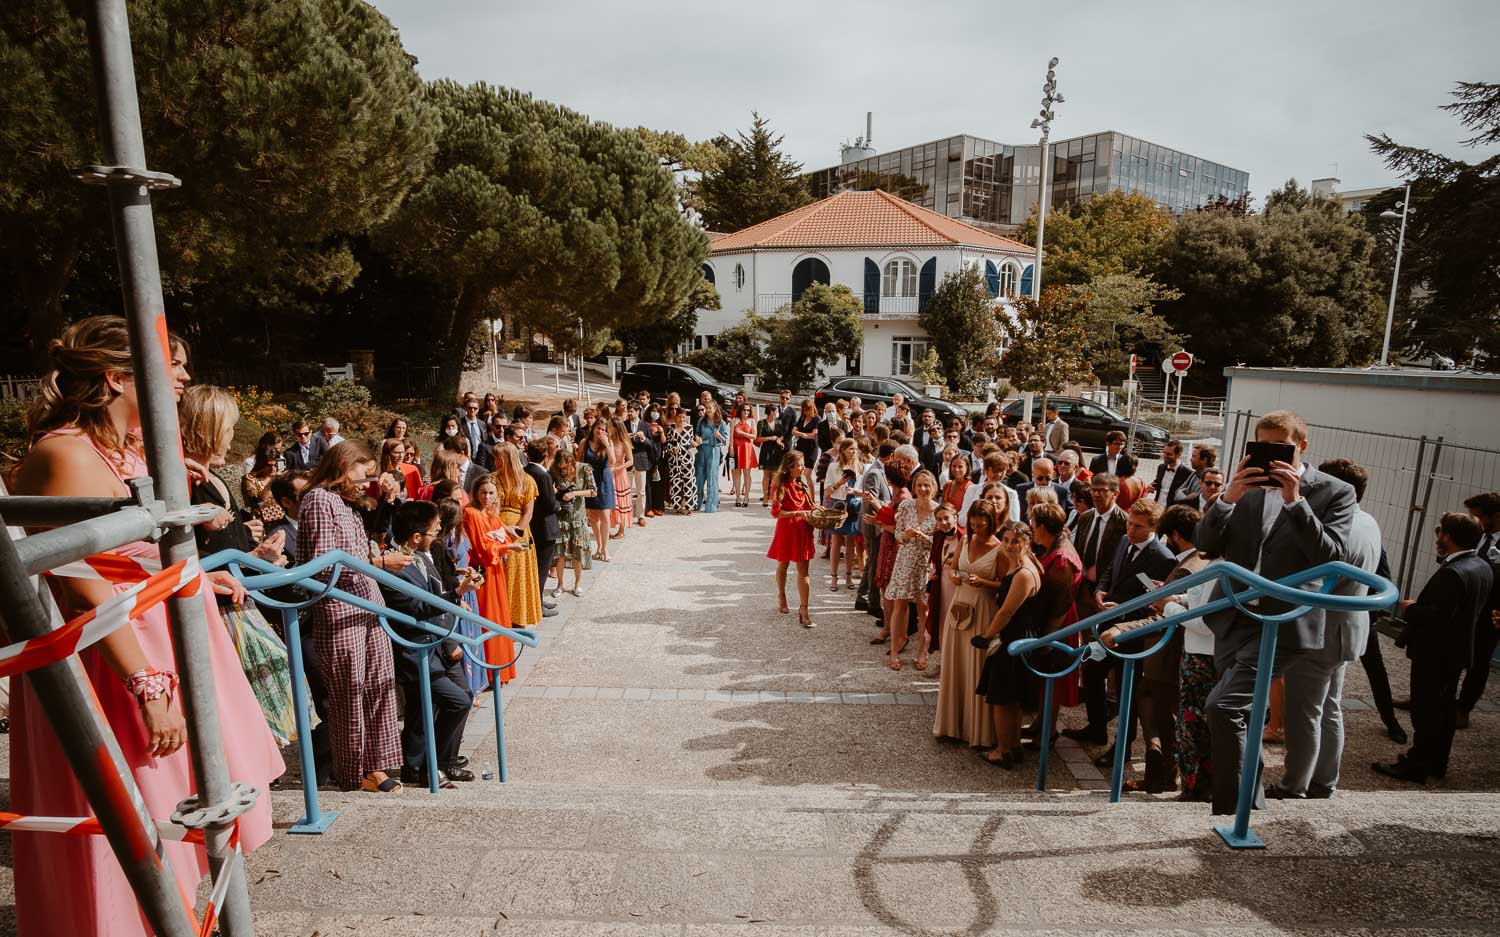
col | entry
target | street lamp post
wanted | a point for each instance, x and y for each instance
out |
(1390, 309)
(1044, 121)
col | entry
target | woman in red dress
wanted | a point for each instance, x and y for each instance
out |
(1062, 571)
(489, 541)
(744, 453)
(791, 504)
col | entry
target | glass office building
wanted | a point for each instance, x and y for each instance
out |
(996, 185)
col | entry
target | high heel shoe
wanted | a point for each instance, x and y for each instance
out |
(804, 619)
(833, 584)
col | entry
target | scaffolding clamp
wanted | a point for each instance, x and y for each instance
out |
(128, 176)
(191, 815)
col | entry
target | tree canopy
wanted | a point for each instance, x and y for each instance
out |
(823, 325)
(1450, 268)
(549, 215)
(960, 318)
(1122, 320)
(1291, 286)
(1111, 233)
(754, 182)
(1046, 341)
(292, 125)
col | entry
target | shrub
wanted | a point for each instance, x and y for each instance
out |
(255, 407)
(320, 400)
(12, 428)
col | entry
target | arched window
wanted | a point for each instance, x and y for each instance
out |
(900, 279)
(708, 273)
(808, 271)
(1008, 280)
(739, 276)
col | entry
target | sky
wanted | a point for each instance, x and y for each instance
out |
(1278, 89)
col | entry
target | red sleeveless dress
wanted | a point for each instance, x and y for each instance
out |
(793, 541)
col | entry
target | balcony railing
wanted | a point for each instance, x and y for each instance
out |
(875, 305)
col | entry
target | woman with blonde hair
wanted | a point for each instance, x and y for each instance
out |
(515, 503)
(447, 466)
(207, 416)
(914, 524)
(84, 442)
(621, 464)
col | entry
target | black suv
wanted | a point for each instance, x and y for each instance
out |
(661, 379)
(1089, 422)
(872, 389)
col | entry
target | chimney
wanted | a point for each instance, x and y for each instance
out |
(869, 128)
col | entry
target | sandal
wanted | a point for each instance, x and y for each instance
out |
(576, 591)
(922, 663)
(833, 584)
(880, 639)
(388, 786)
(895, 663)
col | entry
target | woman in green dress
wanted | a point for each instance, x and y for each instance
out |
(575, 482)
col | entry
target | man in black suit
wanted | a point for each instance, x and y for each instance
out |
(1276, 524)
(1100, 532)
(786, 418)
(1041, 477)
(1485, 508)
(298, 455)
(1175, 480)
(1033, 450)
(1139, 551)
(643, 455)
(1114, 460)
(545, 528)
(414, 528)
(1439, 639)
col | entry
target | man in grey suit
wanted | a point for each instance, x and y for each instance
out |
(1302, 522)
(326, 439)
(1315, 680)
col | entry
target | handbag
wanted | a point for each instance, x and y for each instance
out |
(263, 658)
(963, 615)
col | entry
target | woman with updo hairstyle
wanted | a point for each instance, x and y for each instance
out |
(83, 428)
(1062, 572)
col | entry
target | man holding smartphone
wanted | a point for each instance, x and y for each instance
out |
(1276, 517)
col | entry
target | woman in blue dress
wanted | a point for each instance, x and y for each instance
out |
(594, 450)
(713, 435)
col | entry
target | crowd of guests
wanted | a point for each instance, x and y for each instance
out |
(969, 535)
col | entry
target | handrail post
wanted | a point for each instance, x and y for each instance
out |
(1046, 739)
(502, 772)
(124, 149)
(1239, 836)
(424, 677)
(1122, 730)
(314, 820)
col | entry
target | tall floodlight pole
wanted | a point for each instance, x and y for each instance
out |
(1044, 121)
(1390, 309)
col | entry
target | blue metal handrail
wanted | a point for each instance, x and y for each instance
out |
(1382, 594)
(258, 575)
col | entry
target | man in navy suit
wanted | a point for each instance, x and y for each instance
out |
(1139, 551)
(1042, 473)
(1276, 524)
(414, 528)
(1439, 638)
(326, 439)
(298, 455)
(472, 428)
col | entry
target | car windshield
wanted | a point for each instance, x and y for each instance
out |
(696, 374)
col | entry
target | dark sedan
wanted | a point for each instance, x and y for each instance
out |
(873, 389)
(1089, 422)
(659, 379)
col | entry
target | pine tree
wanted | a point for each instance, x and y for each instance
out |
(756, 181)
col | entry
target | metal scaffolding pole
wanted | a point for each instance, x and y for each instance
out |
(94, 755)
(130, 184)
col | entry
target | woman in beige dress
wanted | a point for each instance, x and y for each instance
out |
(974, 571)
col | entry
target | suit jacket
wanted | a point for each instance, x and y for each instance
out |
(643, 452)
(1440, 626)
(1305, 534)
(544, 523)
(1120, 583)
(475, 432)
(1363, 550)
(1164, 663)
(1114, 531)
(409, 659)
(1182, 482)
(319, 445)
(472, 477)
(294, 460)
(1124, 465)
(1056, 435)
(1064, 496)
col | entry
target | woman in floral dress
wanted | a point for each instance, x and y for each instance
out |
(575, 484)
(915, 520)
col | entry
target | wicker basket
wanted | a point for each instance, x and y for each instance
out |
(828, 518)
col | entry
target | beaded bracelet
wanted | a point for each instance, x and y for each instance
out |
(151, 684)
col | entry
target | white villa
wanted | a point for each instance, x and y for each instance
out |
(887, 250)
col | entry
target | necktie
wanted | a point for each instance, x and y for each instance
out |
(1091, 551)
(1486, 545)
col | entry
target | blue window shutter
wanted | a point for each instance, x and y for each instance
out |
(872, 287)
(926, 283)
(1026, 280)
(992, 277)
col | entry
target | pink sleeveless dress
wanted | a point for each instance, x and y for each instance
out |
(73, 884)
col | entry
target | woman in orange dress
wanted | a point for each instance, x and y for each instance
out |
(791, 503)
(744, 453)
(489, 541)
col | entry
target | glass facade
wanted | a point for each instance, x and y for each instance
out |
(995, 185)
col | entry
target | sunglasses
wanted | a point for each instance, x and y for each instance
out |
(303, 435)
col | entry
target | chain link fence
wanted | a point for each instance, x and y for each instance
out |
(1414, 480)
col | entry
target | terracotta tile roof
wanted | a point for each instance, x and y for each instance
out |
(861, 219)
(715, 235)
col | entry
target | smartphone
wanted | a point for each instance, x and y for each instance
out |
(1262, 454)
(1145, 581)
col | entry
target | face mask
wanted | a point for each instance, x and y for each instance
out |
(450, 432)
(653, 415)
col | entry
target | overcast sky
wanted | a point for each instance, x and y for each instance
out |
(1275, 88)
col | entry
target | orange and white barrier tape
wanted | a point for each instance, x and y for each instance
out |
(109, 567)
(89, 826)
(96, 623)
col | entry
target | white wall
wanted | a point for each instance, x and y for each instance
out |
(768, 285)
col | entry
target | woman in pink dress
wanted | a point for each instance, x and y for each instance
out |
(85, 442)
(621, 464)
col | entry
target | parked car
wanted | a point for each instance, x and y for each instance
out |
(660, 379)
(1089, 422)
(873, 389)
